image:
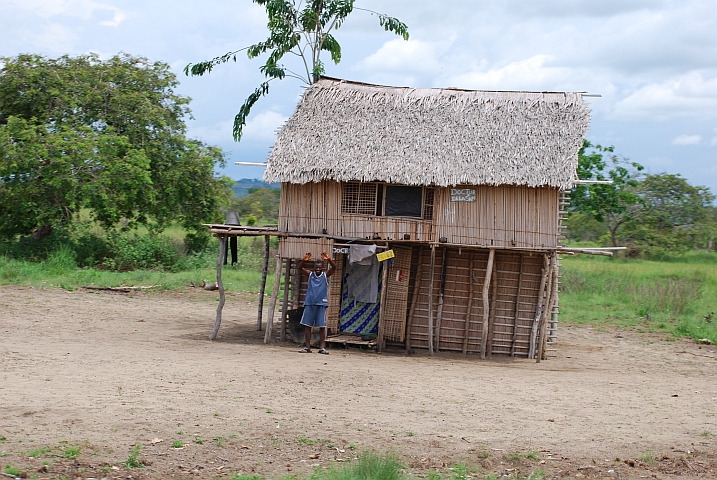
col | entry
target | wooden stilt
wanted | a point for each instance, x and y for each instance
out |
(486, 306)
(471, 290)
(491, 316)
(414, 298)
(220, 284)
(272, 303)
(285, 300)
(441, 292)
(382, 309)
(430, 300)
(517, 307)
(540, 307)
(546, 314)
(262, 287)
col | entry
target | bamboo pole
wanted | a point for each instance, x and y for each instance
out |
(539, 307)
(548, 311)
(272, 303)
(285, 300)
(262, 287)
(414, 299)
(382, 308)
(486, 307)
(430, 301)
(441, 292)
(220, 284)
(491, 316)
(471, 290)
(517, 308)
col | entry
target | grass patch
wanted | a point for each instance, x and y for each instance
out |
(38, 452)
(133, 460)
(518, 456)
(671, 297)
(71, 452)
(177, 444)
(369, 466)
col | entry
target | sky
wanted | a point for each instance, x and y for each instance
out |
(653, 62)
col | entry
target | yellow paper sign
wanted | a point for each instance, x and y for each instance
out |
(385, 255)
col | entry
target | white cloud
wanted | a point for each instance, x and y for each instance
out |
(263, 126)
(406, 58)
(687, 140)
(689, 95)
(84, 9)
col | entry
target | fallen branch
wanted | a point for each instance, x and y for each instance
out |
(120, 289)
(696, 354)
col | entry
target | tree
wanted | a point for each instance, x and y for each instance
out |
(302, 28)
(615, 203)
(108, 136)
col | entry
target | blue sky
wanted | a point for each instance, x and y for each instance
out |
(653, 61)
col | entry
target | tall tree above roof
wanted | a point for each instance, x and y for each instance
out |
(300, 27)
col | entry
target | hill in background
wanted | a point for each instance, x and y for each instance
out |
(241, 187)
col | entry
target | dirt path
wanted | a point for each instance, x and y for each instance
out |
(105, 372)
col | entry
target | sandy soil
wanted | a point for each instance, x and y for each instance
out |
(103, 372)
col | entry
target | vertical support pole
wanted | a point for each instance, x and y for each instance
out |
(486, 306)
(553, 295)
(220, 284)
(517, 307)
(471, 290)
(414, 298)
(382, 308)
(430, 300)
(262, 287)
(540, 307)
(272, 303)
(491, 316)
(287, 278)
(441, 290)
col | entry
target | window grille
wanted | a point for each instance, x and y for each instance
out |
(428, 203)
(359, 198)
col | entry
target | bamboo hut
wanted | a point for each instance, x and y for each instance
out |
(466, 188)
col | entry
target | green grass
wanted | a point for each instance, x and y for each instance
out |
(518, 456)
(177, 444)
(38, 452)
(133, 459)
(71, 452)
(10, 470)
(671, 296)
(369, 466)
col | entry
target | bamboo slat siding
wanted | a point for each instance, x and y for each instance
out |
(397, 296)
(332, 313)
(455, 301)
(295, 247)
(505, 216)
(351, 131)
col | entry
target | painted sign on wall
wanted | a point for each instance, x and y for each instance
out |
(463, 195)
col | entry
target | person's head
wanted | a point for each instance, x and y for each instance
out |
(318, 267)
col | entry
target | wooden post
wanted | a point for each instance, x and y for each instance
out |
(382, 308)
(430, 300)
(517, 307)
(220, 284)
(441, 291)
(486, 306)
(539, 308)
(287, 277)
(414, 299)
(471, 290)
(491, 316)
(262, 287)
(272, 303)
(553, 295)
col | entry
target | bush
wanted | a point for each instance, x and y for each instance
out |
(142, 251)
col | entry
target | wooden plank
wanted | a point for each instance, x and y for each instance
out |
(491, 315)
(262, 286)
(517, 307)
(285, 300)
(471, 291)
(382, 309)
(414, 298)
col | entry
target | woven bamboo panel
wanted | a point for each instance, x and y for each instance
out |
(296, 247)
(397, 295)
(504, 216)
(332, 313)
(509, 333)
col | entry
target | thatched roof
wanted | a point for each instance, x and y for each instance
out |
(352, 131)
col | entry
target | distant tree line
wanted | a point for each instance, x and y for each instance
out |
(651, 214)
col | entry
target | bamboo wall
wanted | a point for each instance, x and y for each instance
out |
(505, 216)
(459, 327)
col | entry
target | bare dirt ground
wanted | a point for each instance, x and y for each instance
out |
(90, 375)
